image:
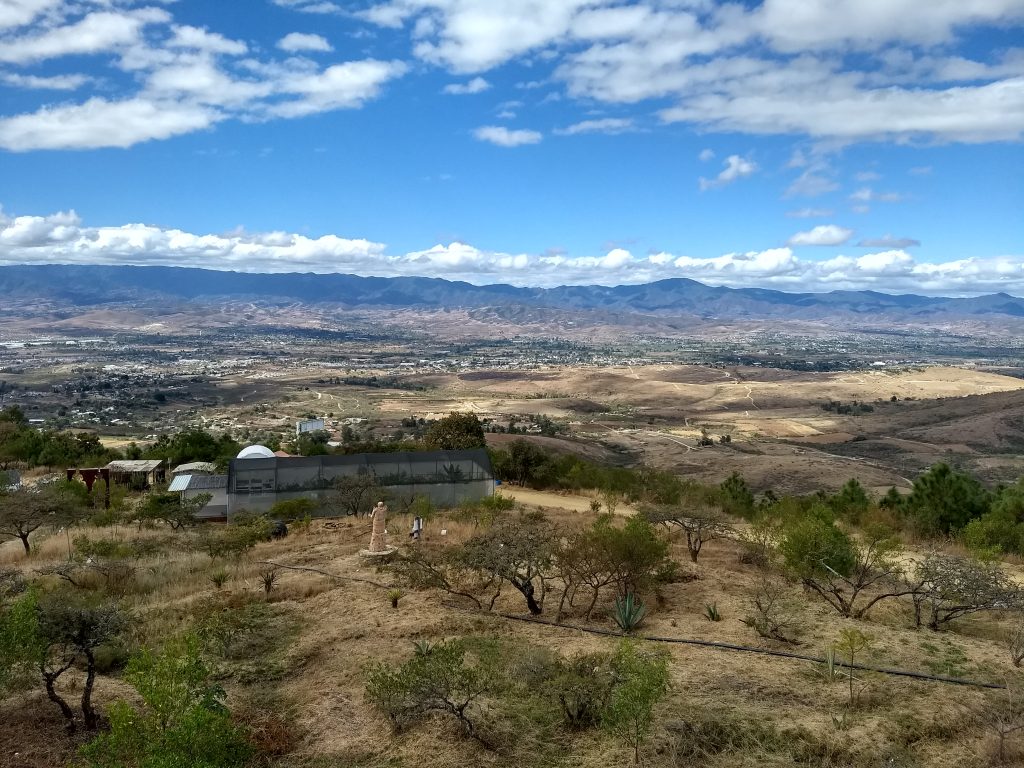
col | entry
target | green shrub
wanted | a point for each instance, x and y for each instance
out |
(813, 546)
(438, 681)
(641, 680)
(291, 510)
(184, 723)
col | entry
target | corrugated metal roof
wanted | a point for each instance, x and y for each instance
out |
(134, 465)
(180, 483)
(207, 482)
(194, 466)
(198, 483)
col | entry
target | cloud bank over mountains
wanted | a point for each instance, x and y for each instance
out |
(62, 238)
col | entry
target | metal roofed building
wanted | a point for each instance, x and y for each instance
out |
(137, 473)
(195, 468)
(446, 477)
(190, 486)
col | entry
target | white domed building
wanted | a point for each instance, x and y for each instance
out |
(255, 452)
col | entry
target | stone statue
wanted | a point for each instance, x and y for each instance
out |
(379, 537)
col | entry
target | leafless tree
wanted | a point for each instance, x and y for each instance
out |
(950, 587)
(1003, 714)
(1017, 643)
(773, 614)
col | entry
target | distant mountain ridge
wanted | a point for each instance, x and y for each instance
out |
(84, 285)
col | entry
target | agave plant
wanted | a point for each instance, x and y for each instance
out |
(629, 612)
(422, 647)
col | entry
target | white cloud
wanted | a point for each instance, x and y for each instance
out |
(823, 234)
(96, 32)
(199, 39)
(299, 41)
(868, 195)
(102, 123)
(62, 238)
(611, 125)
(504, 137)
(186, 78)
(51, 83)
(706, 155)
(476, 85)
(810, 213)
(888, 241)
(736, 167)
(867, 176)
(341, 86)
(16, 13)
(309, 6)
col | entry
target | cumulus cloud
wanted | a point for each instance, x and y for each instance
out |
(505, 137)
(186, 79)
(62, 238)
(706, 155)
(300, 41)
(102, 123)
(824, 234)
(888, 241)
(736, 167)
(610, 125)
(476, 85)
(16, 13)
(98, 31)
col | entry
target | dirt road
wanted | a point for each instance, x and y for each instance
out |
(555, 500)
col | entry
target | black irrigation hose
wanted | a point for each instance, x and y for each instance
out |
(762, 651)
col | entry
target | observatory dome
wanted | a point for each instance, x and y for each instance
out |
(255, 452)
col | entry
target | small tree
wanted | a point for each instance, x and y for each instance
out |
(736, 497)
(24, 511)
(700, 526)
(438, 680)
(518, 551)
(456, 431)
(851, 502)
(354, 494)
(1003, 714)
(773, 616)
(640, 681)
(950, 587)
(184, 722)
(842, 570)
(173, 509)
(631, 557)
(852, 642)
(70, 630)
(1017, 643)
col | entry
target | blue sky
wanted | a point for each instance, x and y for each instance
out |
(795, 144)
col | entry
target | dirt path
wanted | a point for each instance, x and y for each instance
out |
(556, 500)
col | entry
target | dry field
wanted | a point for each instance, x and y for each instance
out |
(308, 684)
(781, 438)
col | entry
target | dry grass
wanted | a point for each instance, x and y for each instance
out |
(774, 711)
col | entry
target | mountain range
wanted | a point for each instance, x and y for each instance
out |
(76, 286)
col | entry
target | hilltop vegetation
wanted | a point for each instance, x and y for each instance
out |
(159, 642)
